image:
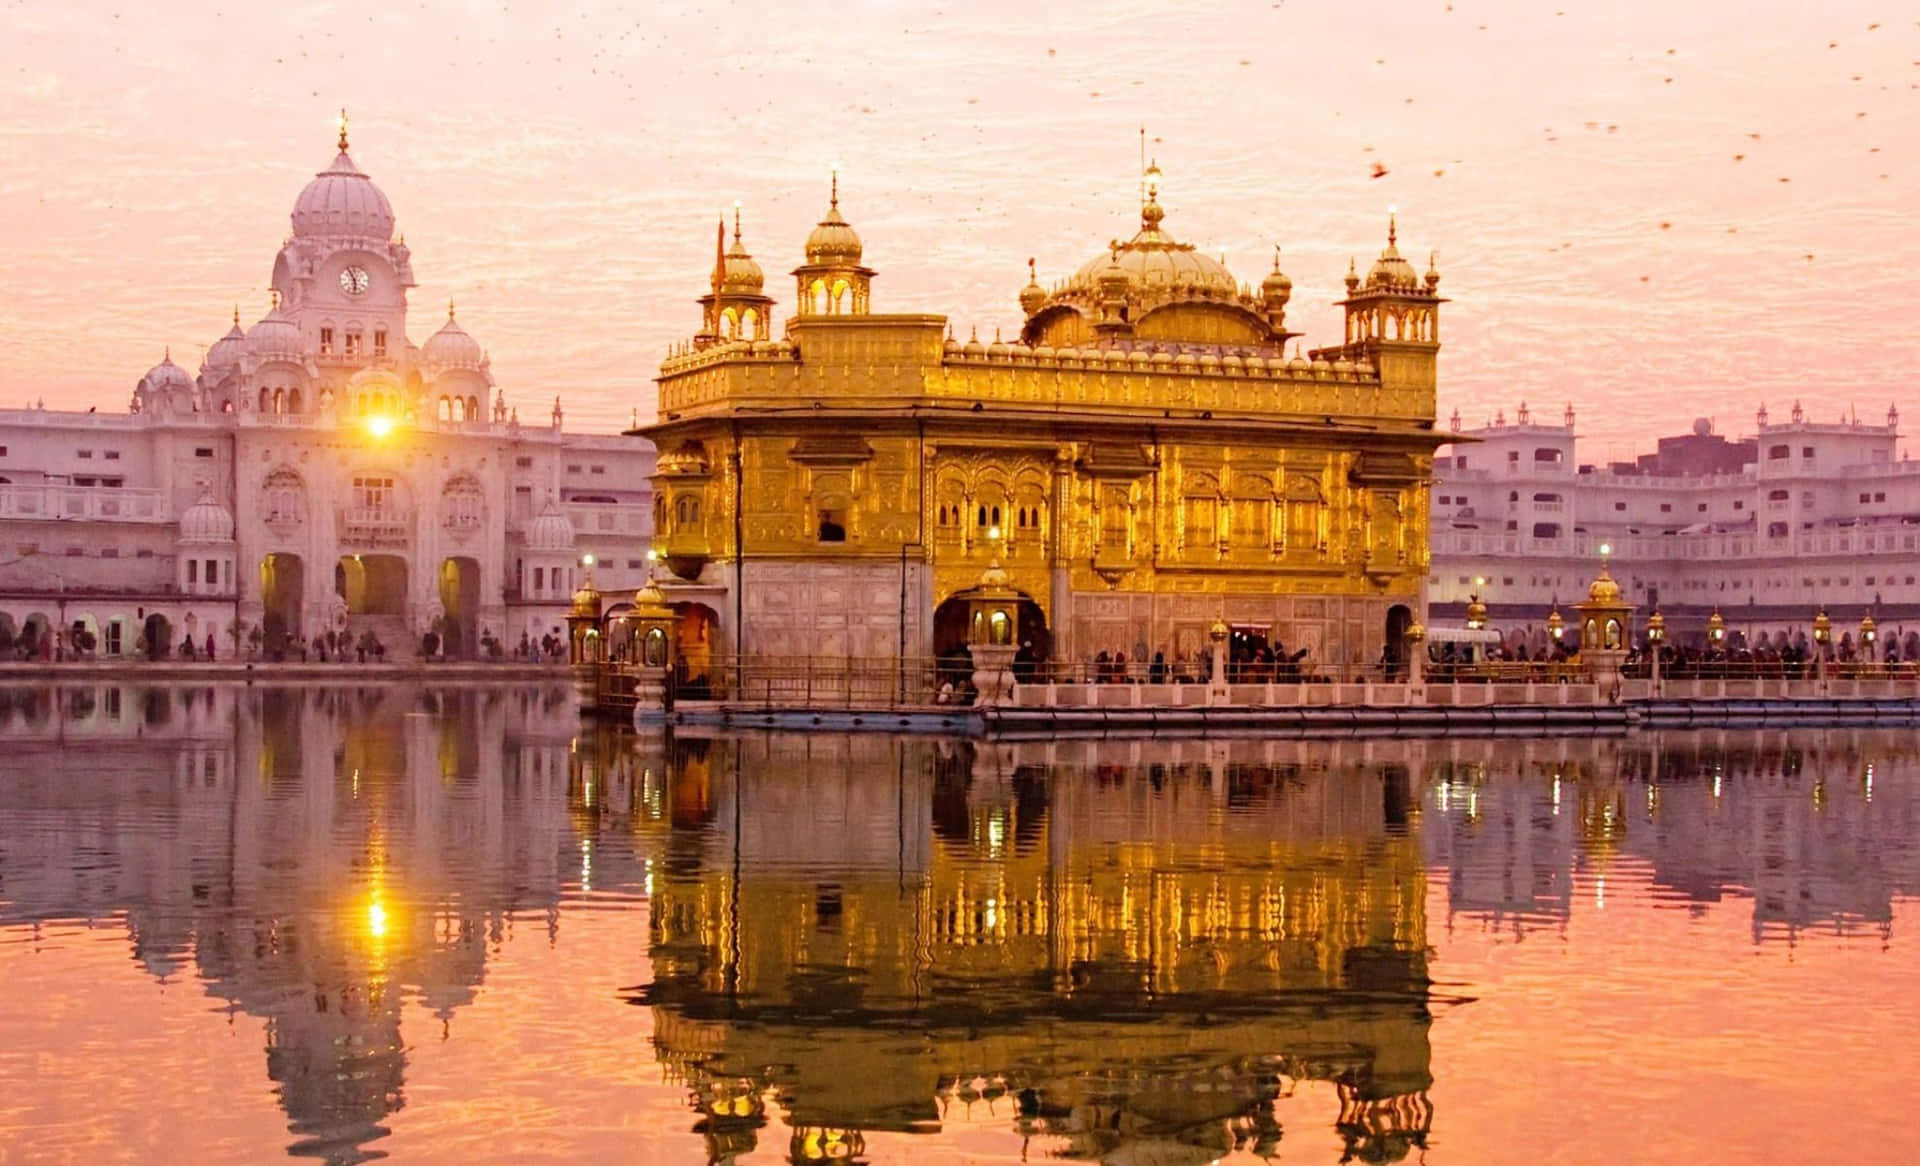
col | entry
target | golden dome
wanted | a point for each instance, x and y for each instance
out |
(1392, 271)
(1276, 286)
(1155, 261)
(586, 602)
(1476, 612)
(1603, 589)
(832, 241)
(739, 274)
(1032, 296)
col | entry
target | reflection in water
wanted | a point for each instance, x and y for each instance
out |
(1106, 951)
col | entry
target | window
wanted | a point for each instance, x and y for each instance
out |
(523, 463)
(326, 342)
(833, 526)
(1777, 495)
(1546, 456)
(1546, 497)
(1460, 462)
(353, 344)
(1666, 508)
(143, 553)
(1513, 456)
(1879, 497)
(1776, 452)
(213, 572)
(1776, 530)
(635, 564)
(203, 451)
(523, 502)
(1546, 530)
(193, 571)
(1806, 500)
(539, 578)
(1702, 508)
(110, 552)
(87, 455)
(1619, 505)
(1866, 497)
(596, 469)
(1739, 504)
(112, 455)
(379, 341)
(1806, 451)
(114, 640)
(1513, 495)
(370, 493)
(573, 469)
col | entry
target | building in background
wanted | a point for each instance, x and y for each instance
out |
(321, 472)
(1768, 529)
(1144, 458)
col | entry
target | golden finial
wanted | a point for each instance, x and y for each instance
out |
(166, 355)
(449, 309)
(1276, 258)
(975, 336)
(736, 221)
(1393, 226)
(834, 199)
(274, 295)
(236, 315)
(343, 129)
(1031, 277)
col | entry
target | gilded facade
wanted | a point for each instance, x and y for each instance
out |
(1144, 457)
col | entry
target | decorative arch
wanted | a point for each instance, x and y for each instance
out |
(283, 495)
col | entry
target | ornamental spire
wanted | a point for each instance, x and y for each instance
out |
(449, 309)
(343, 129)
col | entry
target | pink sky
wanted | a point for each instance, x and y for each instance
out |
(557, 167)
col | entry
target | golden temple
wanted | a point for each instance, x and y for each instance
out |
(1144, 458)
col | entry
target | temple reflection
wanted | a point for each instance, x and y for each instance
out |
(1115, 950)
(318, 859)
(1133, 959)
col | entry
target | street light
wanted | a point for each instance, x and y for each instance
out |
(1869, 632)
(1556, 624)
(1716, 629)
(1822, 636)
(1656, 635)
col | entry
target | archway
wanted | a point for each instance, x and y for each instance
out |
(372, 584)
(460, 600)
(157, 635)
(695, 644)
(1394, 657)
(950, 636)
(283, 590)
(36, 637)
(83, 634)
(9, 635)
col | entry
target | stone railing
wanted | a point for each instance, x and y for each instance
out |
(91, 503)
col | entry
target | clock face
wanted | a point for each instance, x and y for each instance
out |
(353, 280)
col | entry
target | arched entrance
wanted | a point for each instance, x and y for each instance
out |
(696, 641)
(157, 637)
(9, 636)
(950, 636)
(1394, 657)
(372, 584)
(83, 634)
(460, 601)
(35, 640)
(283, 589)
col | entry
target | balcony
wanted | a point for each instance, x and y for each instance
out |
(82, 503)
(601, 518)
(373, 527)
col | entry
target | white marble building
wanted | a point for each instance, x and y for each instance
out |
(1797, 515)
(321, 471)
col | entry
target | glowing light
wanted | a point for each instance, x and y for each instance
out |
(1606, 549)
(587, 560)
(377, 919)
(993, 532)
(379, 426)
(653, 556)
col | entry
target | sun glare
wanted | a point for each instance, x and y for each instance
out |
(379, 426)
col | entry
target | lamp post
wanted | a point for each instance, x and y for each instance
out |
(1656, 636)
(1716, 630)
(1556, 627)
(1822, 636)
(1869, 636)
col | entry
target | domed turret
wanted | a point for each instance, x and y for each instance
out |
(832, 241)
(342, 201)
(1603, 589)
(739, 274)
(1391, 270)
(451, 347)
(832, 281)
(166, 377)
(550, 530)
(227, 351)
(1032, 296)
(274, 336)
(206, 521)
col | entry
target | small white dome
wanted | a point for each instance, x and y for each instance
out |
(342, 201)
(274, 335)
(227, 351)
(451, 347)
(550, 531)
(206, 521)
(166, 376)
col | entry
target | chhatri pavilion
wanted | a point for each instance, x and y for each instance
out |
(1144, 459)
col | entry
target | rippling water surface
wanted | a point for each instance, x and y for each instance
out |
(455, 925)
